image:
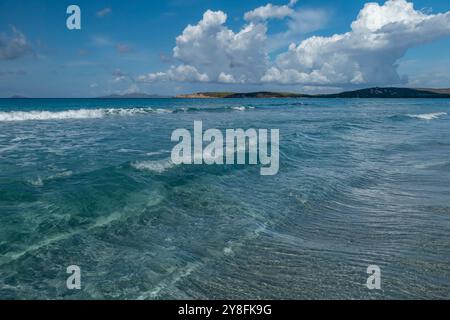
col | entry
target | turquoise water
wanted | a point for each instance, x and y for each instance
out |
(89, 182)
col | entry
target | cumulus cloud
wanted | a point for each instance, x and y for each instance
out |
(226, 78)
(208, 49)
(367, 54)
(182, 73)
(212, 48)
(298, 24)
(269, 11)
(13, 45)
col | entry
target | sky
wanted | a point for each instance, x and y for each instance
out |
(182, 46)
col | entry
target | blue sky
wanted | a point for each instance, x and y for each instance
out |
(128, 46)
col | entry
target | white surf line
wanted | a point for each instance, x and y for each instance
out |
(75, 114)
(428, 116)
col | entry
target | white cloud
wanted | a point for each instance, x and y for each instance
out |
(269, 11)
(301, 22)
(226, 78)
(213, 48)
(14, 45)
(208, 49)
(119, 79)
(181, 73)
(153, 77)
(367, 54)
(186, 73)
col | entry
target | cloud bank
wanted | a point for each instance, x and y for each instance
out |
(366, 55)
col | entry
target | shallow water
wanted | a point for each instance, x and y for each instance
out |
(89, 182)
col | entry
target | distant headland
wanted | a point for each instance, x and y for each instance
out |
(384, 93)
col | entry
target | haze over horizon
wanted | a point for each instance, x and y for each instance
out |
(175, 47)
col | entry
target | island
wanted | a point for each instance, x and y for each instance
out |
(385, 93)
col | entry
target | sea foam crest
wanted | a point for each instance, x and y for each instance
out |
(75, 114)
(43, 115)
(158, 166)
(428, 116)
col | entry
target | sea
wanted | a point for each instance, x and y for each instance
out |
(90, 183)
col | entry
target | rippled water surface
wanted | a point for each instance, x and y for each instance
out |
(90, 183)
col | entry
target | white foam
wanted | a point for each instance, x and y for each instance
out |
(62, 174)
(48, 115)
(163, 111)
(75, 114)
(158, 166)
(428, 116)
(242, 108)
(157, 153)
(37, 182)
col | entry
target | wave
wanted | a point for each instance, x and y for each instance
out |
(158, 166)
(75, 114)
(36, 182)
(163, 165)
(157, 153)
(39, 181)
(217, 109)
(427, 116)
(42, 115)
(242, 108)
(421, 116)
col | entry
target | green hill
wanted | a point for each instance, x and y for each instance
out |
(385, 93)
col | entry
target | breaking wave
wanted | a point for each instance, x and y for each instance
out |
(74, 114)
(41, 115)
(158, 166)
(39, 181)
(427, 116)
(421, 116)
(218, 109)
